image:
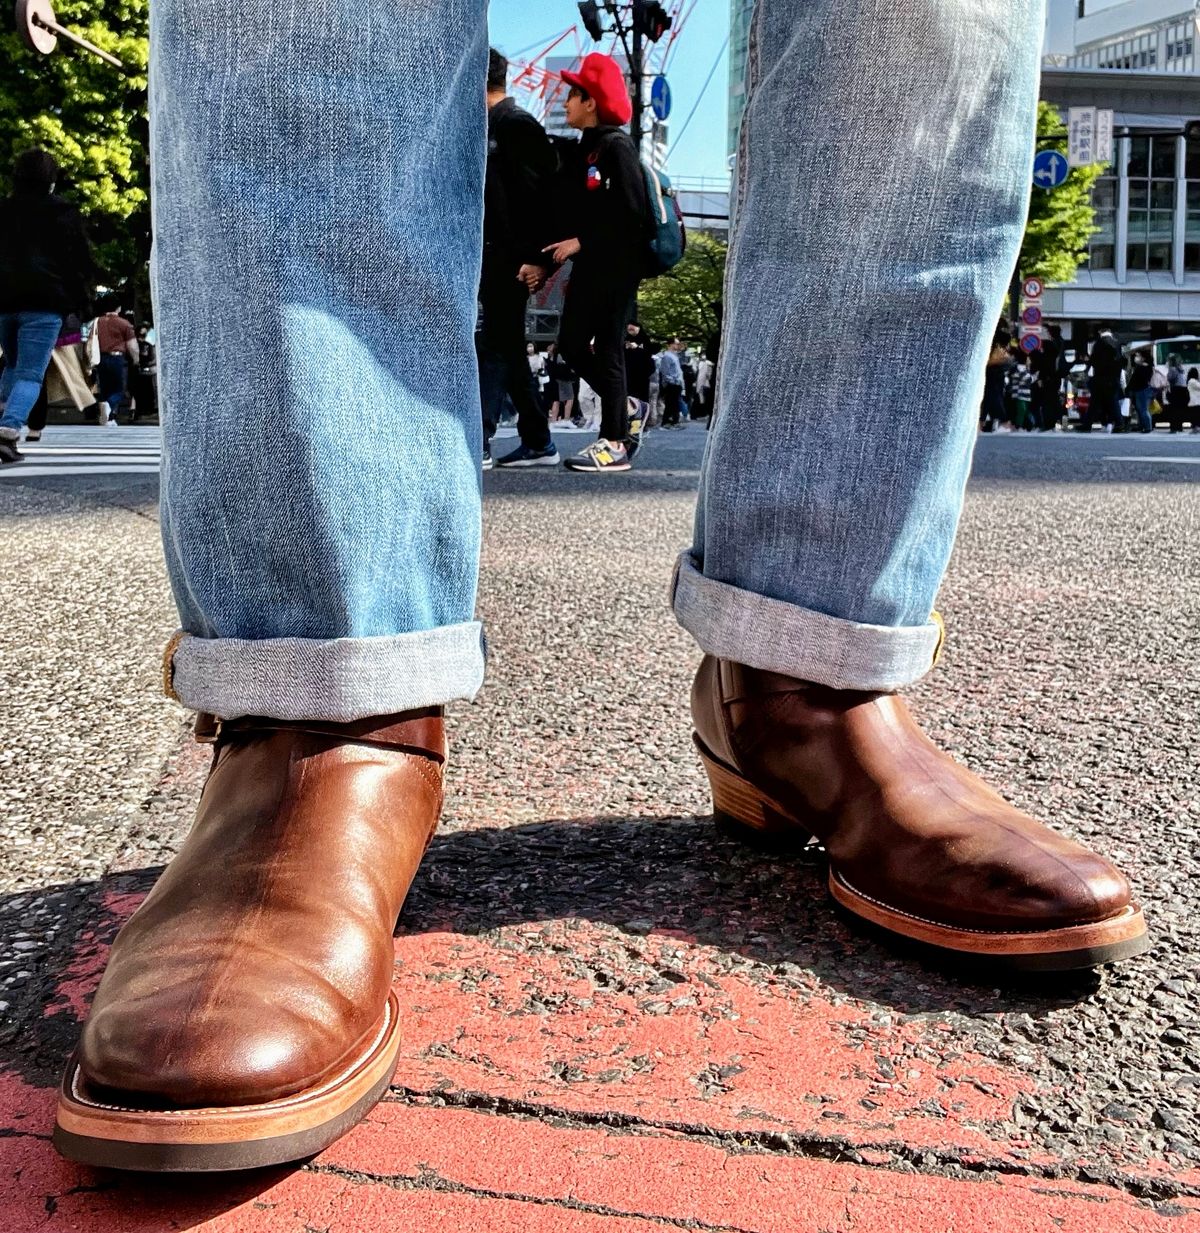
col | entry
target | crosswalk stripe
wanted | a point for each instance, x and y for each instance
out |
(90, 451)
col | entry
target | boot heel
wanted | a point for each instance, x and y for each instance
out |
(743, 813)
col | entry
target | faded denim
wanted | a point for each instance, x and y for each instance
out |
(318, 196)
(883, 183)
(318, 176)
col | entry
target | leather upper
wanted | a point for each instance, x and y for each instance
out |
(901, 821)
(260, 963)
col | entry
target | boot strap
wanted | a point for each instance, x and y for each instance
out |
(419, 731)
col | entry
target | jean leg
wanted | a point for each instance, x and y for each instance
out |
(1142, 401)
(321, 487)
(27, 352)
(8, 349)
(830, 501)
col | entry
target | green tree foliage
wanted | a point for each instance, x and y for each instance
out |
(686, 300)
(92, 118)
(1062, 220)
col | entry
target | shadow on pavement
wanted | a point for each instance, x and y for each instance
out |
(636, 875)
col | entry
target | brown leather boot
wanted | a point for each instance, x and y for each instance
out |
(246, 1016)
(917, 845)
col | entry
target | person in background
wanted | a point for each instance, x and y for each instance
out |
(1106, 366)
(561, 387)
(1193, 384)
(1141, 391)
(142, 378)
(520, 172)
(639, 368)
(992, 412)
(706, 372)
(118, 349)
(46, 271)
(606, 212)
(1047, 360)
(67, 380)
(1178, 399)
(1022, 380)
(670, 381)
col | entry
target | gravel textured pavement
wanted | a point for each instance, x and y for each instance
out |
(626, 1008)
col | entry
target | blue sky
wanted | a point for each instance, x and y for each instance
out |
(517, 24)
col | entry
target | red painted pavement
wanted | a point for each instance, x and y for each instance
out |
(724, 1098)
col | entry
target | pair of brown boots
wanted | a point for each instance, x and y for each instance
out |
(246, 1016)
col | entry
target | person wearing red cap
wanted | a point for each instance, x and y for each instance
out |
(605, 216)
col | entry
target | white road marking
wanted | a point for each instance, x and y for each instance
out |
(84, 450)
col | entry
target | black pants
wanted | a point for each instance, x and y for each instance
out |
(599, 305)
(1178, 400)
(503, 364)
(671, 396)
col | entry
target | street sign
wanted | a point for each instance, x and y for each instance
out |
(1081, 136)
(1032, 315)
(1050, 169)
(660, 98)
(1032, 288)
(1104, 135)
(1031, 343)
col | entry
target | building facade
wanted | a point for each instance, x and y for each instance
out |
(1145, 35)
(1139, 58)
(739, 55)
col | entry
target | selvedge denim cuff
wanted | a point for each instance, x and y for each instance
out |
(774, 636)
(338, 680)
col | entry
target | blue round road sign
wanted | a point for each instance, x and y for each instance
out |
(1032, 315)
(660, 98)
(1030, 343)
(1050, 169)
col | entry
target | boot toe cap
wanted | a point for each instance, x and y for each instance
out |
(248, 1054)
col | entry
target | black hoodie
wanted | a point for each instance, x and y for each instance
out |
(611, 219)
(45, 259)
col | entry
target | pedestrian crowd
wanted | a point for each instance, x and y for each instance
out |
(1104, 385)
(55, 348)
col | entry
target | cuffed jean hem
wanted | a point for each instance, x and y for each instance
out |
(337, 680)
(775, 636)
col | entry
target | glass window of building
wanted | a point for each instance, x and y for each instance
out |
(1152, 172)
(1102, 246)
(1191, 239)
(1181, 47)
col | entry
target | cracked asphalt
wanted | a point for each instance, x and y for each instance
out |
(618, 1019)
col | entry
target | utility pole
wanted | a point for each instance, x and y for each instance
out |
(637, 71)
(633, 22)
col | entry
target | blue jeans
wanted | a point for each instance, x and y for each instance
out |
(112, 379)
(1142, 400)
(321, 489)
(27, 340)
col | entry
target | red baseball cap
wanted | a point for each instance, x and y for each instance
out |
(601, 77)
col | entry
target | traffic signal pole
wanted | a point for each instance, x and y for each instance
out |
(637, 69)
(633, 21)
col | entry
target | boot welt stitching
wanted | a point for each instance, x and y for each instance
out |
(941, 924)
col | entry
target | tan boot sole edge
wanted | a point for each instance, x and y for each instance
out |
(233, 1137)
(752, 816)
